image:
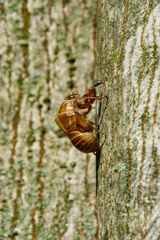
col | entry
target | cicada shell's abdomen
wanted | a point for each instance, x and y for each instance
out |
(84, 141)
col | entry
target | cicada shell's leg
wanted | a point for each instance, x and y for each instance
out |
(96, 84)
(84, 111)
(84, 105)
(83, 122)
(97, 98)
(98, 130)
(91, 121)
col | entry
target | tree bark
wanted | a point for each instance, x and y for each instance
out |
(47, 187)
(128, 60)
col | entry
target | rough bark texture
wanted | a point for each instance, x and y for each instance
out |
(128, 167)
(47, 187)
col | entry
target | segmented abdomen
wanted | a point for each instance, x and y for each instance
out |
(84, 141)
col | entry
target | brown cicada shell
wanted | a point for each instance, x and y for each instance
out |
(71, 118)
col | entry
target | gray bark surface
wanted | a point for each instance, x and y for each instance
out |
(128, 167)
(47, 187)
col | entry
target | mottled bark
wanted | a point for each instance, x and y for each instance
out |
(47, 187)
(128, 167)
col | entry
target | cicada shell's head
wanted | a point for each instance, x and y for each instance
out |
(70, 102)
(74, 94)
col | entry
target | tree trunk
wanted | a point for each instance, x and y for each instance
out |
(128, 60)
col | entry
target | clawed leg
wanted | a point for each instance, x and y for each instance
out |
(97, 130)
(97, 84)
(85, 123)
(84, 111)
(91, 123)
(98, 98)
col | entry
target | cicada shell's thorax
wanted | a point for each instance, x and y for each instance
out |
(84, 141)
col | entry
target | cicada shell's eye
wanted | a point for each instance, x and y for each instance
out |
(70, 97)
